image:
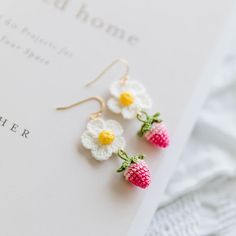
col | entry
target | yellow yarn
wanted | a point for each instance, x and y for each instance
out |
(126, 99)
(106, 137)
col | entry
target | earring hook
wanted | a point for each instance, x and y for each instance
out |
(93, 115)
(123, 79)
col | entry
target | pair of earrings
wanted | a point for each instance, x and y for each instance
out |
(104, 138)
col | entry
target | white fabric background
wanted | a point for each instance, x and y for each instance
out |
(201, 197)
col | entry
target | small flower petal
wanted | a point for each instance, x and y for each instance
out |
(95, 126)
(116, 88)
(134, 87)
(88, 140)
(118, 144)
(114, 126)
(144, 101)
(102, 153)
(114, 105)
(130, 112)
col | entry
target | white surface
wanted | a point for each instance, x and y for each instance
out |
(50, 185)
(201, 197)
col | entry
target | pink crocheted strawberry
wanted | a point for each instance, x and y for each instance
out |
(135, 169)
(154, 130)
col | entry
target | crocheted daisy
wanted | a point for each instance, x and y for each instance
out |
(128, 98)
(103, 138)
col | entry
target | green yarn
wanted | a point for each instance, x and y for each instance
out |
(147, 121)
(128, 160)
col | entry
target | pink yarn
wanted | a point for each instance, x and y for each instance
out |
(138, 174)
(158, 135)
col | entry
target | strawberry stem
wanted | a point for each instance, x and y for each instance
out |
(128, 160)
(123, 155)
(147, 121)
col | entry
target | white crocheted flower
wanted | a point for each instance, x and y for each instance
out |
(128, 98)
(103, 138)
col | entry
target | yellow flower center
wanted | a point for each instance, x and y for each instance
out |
(106, 137)
(126, 99)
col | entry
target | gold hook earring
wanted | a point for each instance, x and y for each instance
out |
(102, 137)
(93, 116)
(129, 97)
(124, 77)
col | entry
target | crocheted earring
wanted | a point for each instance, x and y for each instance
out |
(104, 138)
(153, 129)
(130, 99)
(135, 169)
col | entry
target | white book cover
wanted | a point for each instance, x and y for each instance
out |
(49, 50)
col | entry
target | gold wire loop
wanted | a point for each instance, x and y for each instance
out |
(93, 115)
(124, 77)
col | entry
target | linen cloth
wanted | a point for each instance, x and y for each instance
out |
(201, 197)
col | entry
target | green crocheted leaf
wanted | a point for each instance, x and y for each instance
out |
(147, 121)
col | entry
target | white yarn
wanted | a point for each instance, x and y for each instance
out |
(90, 136)
(201, 213)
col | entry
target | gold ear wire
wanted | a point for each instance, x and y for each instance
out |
(93, 115)
(123, 79)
